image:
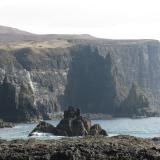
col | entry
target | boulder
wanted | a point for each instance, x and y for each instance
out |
(97, 130)
(103, 132)
(73, 124)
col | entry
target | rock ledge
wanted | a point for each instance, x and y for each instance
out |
(88, 147)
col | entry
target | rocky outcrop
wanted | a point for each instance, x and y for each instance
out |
(90, 148)
(43, 127)
(97, 130)
(73, 124)
(136, 103)
(60, 70)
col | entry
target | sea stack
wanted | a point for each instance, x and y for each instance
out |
(73, 124)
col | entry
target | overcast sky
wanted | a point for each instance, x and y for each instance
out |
(117, 19)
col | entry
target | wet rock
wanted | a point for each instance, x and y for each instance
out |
(97, 130)
(44, 127)
(73, 124)
(103, 132)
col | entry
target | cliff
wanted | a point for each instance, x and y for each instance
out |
(136, 103)
(42, 74)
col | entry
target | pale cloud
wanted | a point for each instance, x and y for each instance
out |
(102, 18)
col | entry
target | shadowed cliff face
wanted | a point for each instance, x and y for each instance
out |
(140, 62)
(136, 103)
(93, 81)
(17, 105)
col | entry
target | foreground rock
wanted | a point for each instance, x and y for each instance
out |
(73, 124)
(87, 148)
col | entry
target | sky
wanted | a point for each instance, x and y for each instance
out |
(114, 19)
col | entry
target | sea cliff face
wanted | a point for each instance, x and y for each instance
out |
(40, 75)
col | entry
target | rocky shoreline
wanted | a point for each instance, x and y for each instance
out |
(86, 148)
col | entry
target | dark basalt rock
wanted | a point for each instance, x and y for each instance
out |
(44, 127)
(73, 124)
(86, 148)
(97, 130)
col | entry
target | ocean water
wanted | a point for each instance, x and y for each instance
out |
(146, 128)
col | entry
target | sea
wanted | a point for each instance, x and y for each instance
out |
(142, 127)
